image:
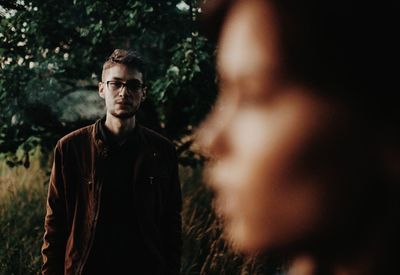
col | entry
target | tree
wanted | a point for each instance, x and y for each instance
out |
(50, 49)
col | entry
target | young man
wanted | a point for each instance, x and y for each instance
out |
(305, 134)
(114, 196)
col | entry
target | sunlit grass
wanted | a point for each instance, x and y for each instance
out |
(22, 202)
(14, 179)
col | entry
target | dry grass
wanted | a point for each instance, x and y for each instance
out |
(22, 201)
(14, 179)
(22, 207)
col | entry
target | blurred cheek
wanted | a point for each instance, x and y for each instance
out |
(259, 195)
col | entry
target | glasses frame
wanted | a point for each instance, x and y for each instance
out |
(125, 85)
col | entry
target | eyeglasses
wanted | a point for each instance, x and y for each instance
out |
(132, 85)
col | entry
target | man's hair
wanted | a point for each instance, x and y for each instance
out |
(129, 58)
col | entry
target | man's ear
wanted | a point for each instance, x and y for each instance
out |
(101, 89)
(144, 94)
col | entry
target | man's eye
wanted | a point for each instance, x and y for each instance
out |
(134, 85)
(116, 85)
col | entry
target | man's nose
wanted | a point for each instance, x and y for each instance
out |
(123, 92)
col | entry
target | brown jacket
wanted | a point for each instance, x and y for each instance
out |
(75, 188)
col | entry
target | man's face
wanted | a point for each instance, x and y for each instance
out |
(121, 102)
(267, 138)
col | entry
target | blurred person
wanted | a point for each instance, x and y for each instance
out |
(303, 140)
(114, 198)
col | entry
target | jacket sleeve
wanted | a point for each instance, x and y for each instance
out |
(173, 222)
(54, 240)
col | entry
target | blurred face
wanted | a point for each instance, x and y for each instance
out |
(270, 140)
(121, 101)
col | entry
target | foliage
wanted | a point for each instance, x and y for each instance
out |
(52, 48)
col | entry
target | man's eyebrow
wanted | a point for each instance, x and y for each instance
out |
(120, 79)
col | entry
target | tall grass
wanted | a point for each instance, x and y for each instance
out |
(204, 250)
(22, 209)
(22, 206)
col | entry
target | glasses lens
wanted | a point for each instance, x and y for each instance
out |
(114, 85)
(134, 85)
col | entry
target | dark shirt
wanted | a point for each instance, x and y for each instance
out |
(117, 245)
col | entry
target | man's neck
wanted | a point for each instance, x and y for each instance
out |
(120, 128)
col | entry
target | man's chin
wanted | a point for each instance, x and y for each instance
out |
(124, 115)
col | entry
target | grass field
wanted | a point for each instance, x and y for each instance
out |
(22, 208)
(22, 202)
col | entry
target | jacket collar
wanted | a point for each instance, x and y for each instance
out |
(103, 137)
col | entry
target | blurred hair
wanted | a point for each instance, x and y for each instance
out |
(129, 58)
(346, 49)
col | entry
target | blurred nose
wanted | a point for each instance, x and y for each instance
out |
(212, 136)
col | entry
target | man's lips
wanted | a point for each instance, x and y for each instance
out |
(127, 103)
